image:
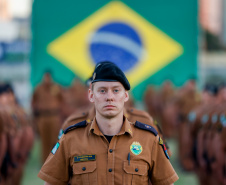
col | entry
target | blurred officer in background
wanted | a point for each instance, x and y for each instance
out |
(167, 108)
(216, 151)
(189, 129)
(19, 135)
(211, 104)
(75, 98)
(3, 129)
(151, 101)
(13, 134)
(47, 102)
(110, 150)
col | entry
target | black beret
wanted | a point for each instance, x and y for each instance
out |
(108, 71)
(3, 88)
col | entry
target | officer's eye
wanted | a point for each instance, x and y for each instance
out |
(102, 91)
(116, 90)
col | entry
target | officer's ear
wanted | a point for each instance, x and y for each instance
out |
(126, 96)
(90, 96)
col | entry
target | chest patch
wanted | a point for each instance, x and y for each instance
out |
(83, 158)
(136, 148)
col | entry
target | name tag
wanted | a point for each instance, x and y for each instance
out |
(83, 158)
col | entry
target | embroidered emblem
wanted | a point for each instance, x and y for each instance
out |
(223, 120)
(205, 118)
(214, 118)
(192, 116)
(164, 147)
(61, 132)
(136, 148)
(55, 148)
(83, 158)
(130, 131)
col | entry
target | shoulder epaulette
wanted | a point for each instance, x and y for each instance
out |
(77, 125)
(146, 127)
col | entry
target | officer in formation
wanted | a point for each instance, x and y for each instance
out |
(109, 149)
(75, 98)
(170, 106)
(47, 104)
(203, 146)
(16, 137)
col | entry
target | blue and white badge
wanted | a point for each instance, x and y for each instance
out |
(205, 118)
(192, 116)
(55, 148)
(214, 118)
(61, 132)
(223, 119)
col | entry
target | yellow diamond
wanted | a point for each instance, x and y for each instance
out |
(72, 48)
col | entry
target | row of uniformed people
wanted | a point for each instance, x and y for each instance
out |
(202, 141)
(16, 137)
(170, 105)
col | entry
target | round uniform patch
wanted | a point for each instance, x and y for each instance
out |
(136, 148)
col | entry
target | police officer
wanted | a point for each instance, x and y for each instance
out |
(47, 108)
(110, 150)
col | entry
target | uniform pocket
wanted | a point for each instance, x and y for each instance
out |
(85, 173)
(136, 173)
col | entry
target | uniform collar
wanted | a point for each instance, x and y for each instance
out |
(94, 128)
(91, 114)
(125, 112)
(126, 128)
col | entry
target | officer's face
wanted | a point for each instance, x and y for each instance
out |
(47, 78)
(4, 100)
(109, 98)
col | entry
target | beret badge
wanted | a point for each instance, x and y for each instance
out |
(94, 76)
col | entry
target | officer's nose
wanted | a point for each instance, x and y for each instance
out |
(110, 96)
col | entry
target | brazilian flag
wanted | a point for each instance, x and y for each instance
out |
(150, 40)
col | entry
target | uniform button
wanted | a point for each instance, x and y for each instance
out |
(110, 170)
(136, 170)
(84, 169)
(110, 150)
